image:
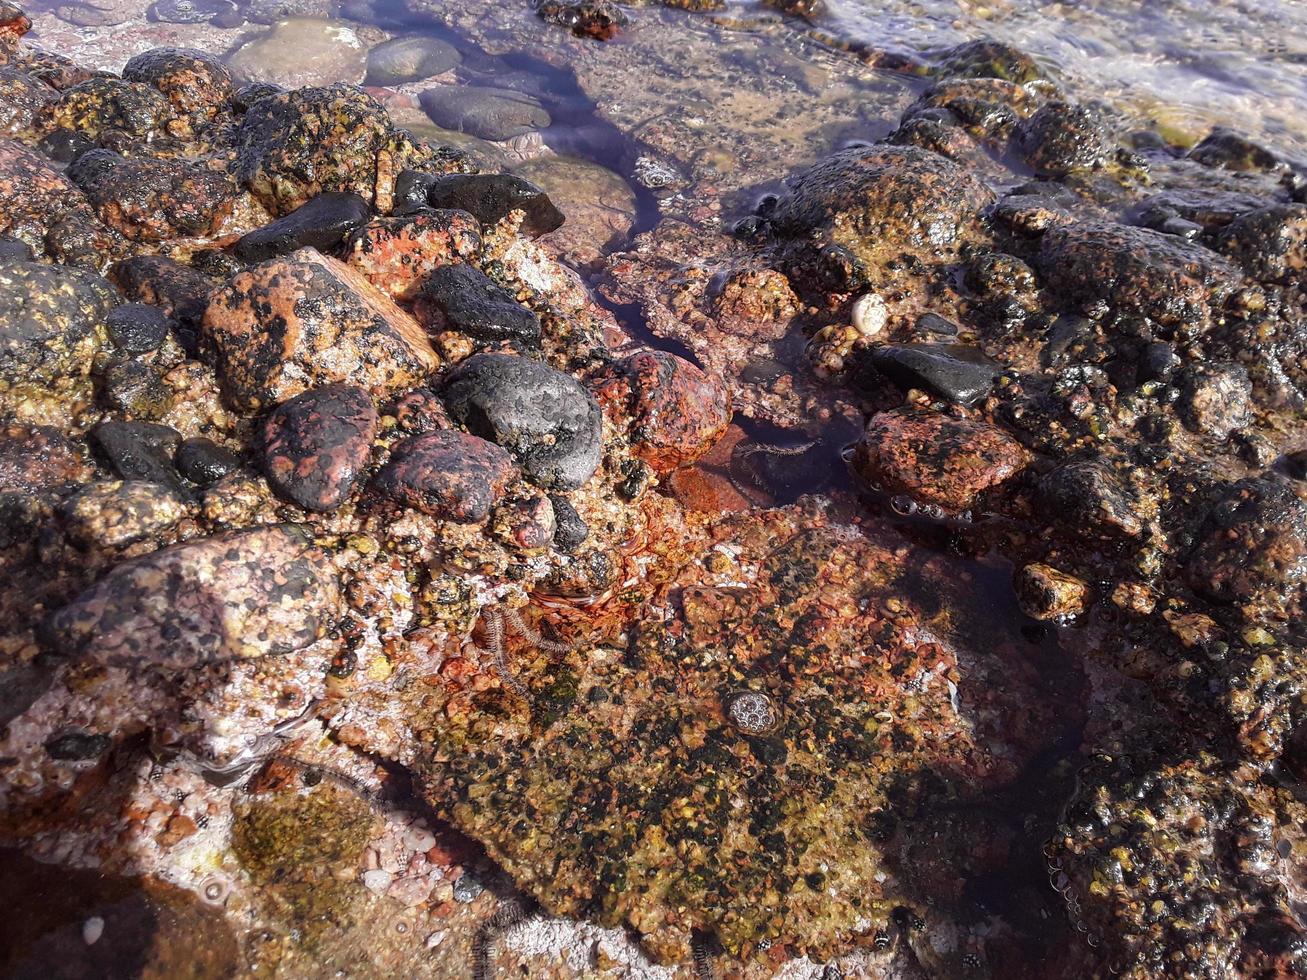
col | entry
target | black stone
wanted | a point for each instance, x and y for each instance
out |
(490, 197)
(411, 189)
(549, 423)
(64, 145)
(468, 301)
(952, 371)
(139, 451)
(204, 462)
(137, 328)
(15, 250)
(1157, 362)
(76, 746)
(570, 531)
(322, 223)
(938, 325)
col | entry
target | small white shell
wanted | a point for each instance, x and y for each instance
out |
(92, 930)
(869, 314)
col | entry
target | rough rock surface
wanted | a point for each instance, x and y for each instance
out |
(316, 445)
(398, 254)
(448, 474)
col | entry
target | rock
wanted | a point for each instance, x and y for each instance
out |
(40, 206)
(117, 513)
(1269, 243)
(419, 411)
(598, 19)
(301, 51)
(99, 107)
(936, 459)
(1227, 150)
(137, 390)
(1064, 137)
(600, 206)
(135, 328)
(154, 200)
(292, 146)
(189, 11)
(954, 372)
(1091, 499)
(489, 198)
(292, 323)
(410, 59)
(1215, 399)
(987, 58)
(52, 329)
(316, 444)
(156, 280)
(1252, 548)
(675, 412)
(203, 462)
(570, 529)
(464, 299)
(1167, 278)
(526, 525)
(1211, 209)
(450, 475)
(321, 223)
(549, 423)
(37, 458)
(139, 451)
(398, 254)
(24, 103)
(881, 201)
(490, 113)
(196, 85)
(15, 250)
(1047, 594)
(237, 595)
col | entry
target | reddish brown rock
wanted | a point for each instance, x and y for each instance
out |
(154, 200)
(419, 411)
(316, 444)
(397, 254)
(42, 207)
(292, 323)
(237, 595)
(13, 24)
(196, 85)
(675, 412)
(23, 100)
(936, 459)
(450, 475)
(40, 458)
(101, 106)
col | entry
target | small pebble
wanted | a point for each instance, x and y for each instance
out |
(419, 839)
(92, 930)
(377, 881)
(869, 315)
(467, 888)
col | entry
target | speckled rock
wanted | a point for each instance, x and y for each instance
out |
(117, 513)
(178, 290)
(100, 106)
(236, 595)
(1048, 593)
(1137, 269)
(410, 59)
(1252, 548)
(302, 51)
(292, 323)
(1228, 150)
(1064, 137)
(34, 458)
(936, 459)
(293, 145)
(1270, 243)
(24, 102)
(40, 206)
(489, 198)
(154, 200)
(675, 412)
(549, 423)
(1215, 399)
(465, 300)
(450, 475)
(322, 223)
(879, 202)
(316, 444)
(490, 113)
(1092, 500)
(196, 85)
(398, 254)
(52, 329)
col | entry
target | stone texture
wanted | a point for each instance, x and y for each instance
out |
(316, 444)
(293, 323)
(465, 300)
(302, 51)
(321, 223)
(235, 595)
(397, 254)
(35, 458)
(449, 474)
(118, 513)
(489, 198)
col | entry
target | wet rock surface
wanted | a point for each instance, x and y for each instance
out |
(316, 444)
(452, 475)
(400, 254)
(491, 197)
(321, 223)
(465, 300)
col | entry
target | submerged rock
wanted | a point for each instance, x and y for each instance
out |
(292, 323)
(236, 595)
(490, 113)
(410, 59)
(549, 423)
(302, 51)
